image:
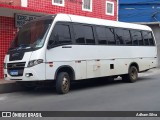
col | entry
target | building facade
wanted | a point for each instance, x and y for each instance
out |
(15, 13)
(139, 10)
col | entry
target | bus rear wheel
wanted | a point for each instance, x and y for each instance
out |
(132, 75)
(62, 83)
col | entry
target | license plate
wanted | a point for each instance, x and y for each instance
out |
(14, 72)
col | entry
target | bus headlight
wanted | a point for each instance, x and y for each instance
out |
(34, 62)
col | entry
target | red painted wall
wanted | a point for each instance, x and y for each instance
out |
(7, 33)
(98, 8)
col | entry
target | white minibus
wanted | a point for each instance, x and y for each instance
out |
(64, 47)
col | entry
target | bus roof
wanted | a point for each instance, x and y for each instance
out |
(97, 21)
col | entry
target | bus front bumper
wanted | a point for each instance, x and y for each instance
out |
(29, 74)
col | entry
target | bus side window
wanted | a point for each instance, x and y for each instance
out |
(88, 32)
(110, 36)
(53, 39)
(140, 38)
(83, 34)
(79, 35)
(101, 35)
(145, 37)
(60, 35)
(122, 36)
(151, 39)
(63, 32)
(129, 40)
(136, 38)
(119, 36)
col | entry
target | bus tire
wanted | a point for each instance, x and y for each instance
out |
(62, 83)
(132, 75)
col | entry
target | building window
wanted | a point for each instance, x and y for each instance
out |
(24, 3)
(87, 5)
(110, 8)
(58, 2)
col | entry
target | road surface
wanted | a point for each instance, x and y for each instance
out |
(144, 95)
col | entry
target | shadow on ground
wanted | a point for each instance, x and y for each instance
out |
(83, 84)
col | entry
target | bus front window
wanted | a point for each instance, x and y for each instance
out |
(31, 35)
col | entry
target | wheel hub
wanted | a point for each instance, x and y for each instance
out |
(65, 84)
(134, 74)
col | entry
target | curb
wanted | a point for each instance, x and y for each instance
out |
(8, 87)
(150, 72)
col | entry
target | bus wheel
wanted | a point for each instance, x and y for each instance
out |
(62, 83)
(132, 76)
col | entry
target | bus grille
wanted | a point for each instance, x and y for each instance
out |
(16, 69)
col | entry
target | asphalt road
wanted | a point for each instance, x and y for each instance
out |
(144, 95)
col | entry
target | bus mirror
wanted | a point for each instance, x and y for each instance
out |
(48, 47)
(54, 37)
(53, 41)
(50, 44)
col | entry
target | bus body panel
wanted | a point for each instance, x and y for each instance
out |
(37, 71)
(95, 61)
(93, 52)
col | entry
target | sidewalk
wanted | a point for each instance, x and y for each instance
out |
(150, 72)
(8, 86)
(11, 86)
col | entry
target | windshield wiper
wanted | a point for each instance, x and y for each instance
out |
(20, 47)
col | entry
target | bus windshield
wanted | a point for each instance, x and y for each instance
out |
(31, 35)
